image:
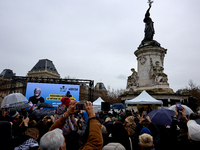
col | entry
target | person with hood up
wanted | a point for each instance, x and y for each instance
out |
(120, 135)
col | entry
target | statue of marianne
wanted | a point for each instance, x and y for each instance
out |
(149, 28)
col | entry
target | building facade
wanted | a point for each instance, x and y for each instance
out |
(45, 72)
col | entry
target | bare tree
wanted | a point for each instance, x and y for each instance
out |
(194, 92)
(113, 95)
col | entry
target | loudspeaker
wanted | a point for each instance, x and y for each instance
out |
(105, 106)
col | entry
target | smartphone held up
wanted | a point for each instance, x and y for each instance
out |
(144, 114)
(178, 106)
(80, 106)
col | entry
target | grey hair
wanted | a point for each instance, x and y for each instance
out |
(104, 130)
(52, 140)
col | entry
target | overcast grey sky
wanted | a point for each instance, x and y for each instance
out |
(96, 39)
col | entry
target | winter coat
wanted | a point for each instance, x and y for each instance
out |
(95, 140)
(58, 113)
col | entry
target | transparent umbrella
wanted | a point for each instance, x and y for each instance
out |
(14, 99)
(188, 110)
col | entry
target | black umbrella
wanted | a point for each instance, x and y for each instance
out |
(22, 106)
(44, 105)
(42, 112)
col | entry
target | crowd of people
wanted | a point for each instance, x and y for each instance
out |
(71, 129)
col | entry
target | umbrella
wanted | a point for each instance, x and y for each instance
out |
(13, 99)
(188, 110)
(44, 105)
(161, 116)
(118, 106)
(22, 106)
(42, 112)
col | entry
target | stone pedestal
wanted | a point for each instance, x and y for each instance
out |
(150, 74)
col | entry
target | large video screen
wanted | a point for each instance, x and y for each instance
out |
(52, 93)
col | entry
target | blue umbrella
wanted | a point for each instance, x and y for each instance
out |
(118, 106)
(161, 116)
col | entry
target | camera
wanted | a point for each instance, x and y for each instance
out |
(80, 106)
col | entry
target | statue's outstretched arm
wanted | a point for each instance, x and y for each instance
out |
(147, 13)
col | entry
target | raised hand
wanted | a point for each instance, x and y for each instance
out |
(71, 109)
(89, 109)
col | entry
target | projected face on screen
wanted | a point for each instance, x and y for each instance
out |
(37, 98)
(37, 92)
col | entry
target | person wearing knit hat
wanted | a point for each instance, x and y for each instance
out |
(69, 121)
(146, 141)
(16, 122)
(65, 101)
(14, 114)
(146, 126)
(145, 130)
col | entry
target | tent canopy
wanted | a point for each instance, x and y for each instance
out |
(98, 102)
(144, 98)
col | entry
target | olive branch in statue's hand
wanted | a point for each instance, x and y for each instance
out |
(150, 2)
